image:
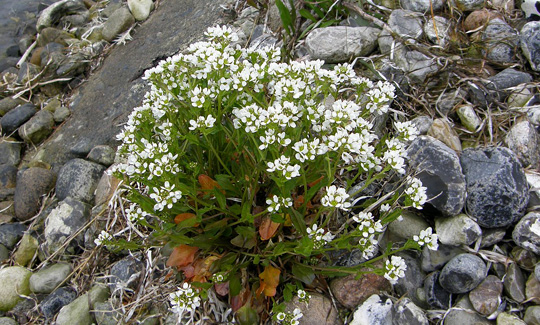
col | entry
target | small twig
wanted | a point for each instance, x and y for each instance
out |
(26, 54)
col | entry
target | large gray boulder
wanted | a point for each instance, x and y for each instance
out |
(78, 179)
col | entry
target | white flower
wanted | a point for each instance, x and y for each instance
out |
(407, 130)
(336, 198)
(320, 237)
(369, 229)
(275, 203)
(395, 269)
(428, 238)
(202, 123)
(135, 214)
(416, 192)
(103, 237)
(184, 300)
(282, 164)
(288, 318)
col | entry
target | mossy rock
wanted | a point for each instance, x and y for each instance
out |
(14, 281)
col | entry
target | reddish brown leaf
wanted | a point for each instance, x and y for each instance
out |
(222, 289)
(241, 299)
(269, 281)
(184, 216)
(268, 228)
(182, 255)
(207, 183)
(315, 182)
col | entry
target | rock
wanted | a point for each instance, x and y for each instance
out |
(53, 35)
(26, 251)
(31, 185)
(351, 293)
(449, 99)
(522, 139)
(105, 189)
(117, 23)
(55, 12)
(72, 65)
(436, 296)
(514, 283)
(500, 40)
(98, 293)
(11, 233)
(532, 315)
(373, 311)
(9, 103)
(64, 221)
(126, 273)
(47, 279)
(78, 179)
(437, 166)
(486, 298)
(521, 97)
(103, 155)
(437, 30)
(468, 117)
(27, 72)
(14, 281)
(463, 273)
(532, 289)
(422, 6)
(16, 117)
(530, 43)
(4, 253)
(422, 123)
(320, 310)
(8, 177)
(508, 319)
(458, 230)
(406, 23)
(497, 190)
(61, 114)
(537, 271)
(106, 313)
(410, 225)
(443, 131)
(524, 258)
(412, 285)
(434, 260)
(406, 312)
(8, 321)
(478, 18)
(265, 40)
(38, 128)
(417, 65)
(463, 313)
(526, 234)
(468, 5)
(10, 152)
(76, 312)
(140, 9)
(506, 79)
(56, 300)
(339, 43)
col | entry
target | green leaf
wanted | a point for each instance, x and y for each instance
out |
(303, 273)
(286, 17)
(235, 286)
(247, 315)
(307, 14)
(391, 217)
(220, 197)
(304, 246)
(288, 291)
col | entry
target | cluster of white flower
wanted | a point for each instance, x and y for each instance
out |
(282, 164)
(202, 122)
(288, 318)
(275, 203)
(406, 130)
(303, 296)
(270, 137)
(416, 192)
(185, 299)
(309, 150)
(102, 238)
(165, 196)
(395, 155)
(368, 228)
(135, 214)
(320, 237)
(336, 198)
(428, 238)
(395, 269)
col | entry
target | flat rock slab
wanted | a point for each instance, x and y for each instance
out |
(104, 101)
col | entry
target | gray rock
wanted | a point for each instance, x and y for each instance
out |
(526, 233)
(106, 314)
(463, 313)
(140, 9)
(458, 230)
(17, 117)
(492, 236)
(46, 280)
(103, 155)
(410, 225)
(339, 43)
(76, 312)
(10, 152)
(523, 139)
(117, 23)
(417, 65)
(4, 253)
(532, 289)
(437, 166)
(412, 285)
(533, 115)
(406, 23)
(64, 221)
(406, 312)
(265, 40)
(469, 5)
(529, 41)
(38, 128)
(501, 41)
(105, 189)
(56, 300)
(374, 311)
(422, 123)
(55, 12)
(449, 99)
(468, 117)
(31, 185)
(9, 103)
(524, 258)
(434, 260)
(8, 177)
(72, 65)
(11, 233)
(53, 35)
(508, 78)
(26, 250)
(61, 114)
(126, 273)
(497, 190)
(27, 72)
(509, 319)
(521, 97)
(78, 179)
(514, 283)
(463, 273)
(8, 321)
(532, 315)
(422, 6)
(486, 298)
(320, 310)
(14, 281)
(436, 296)
(437, 30)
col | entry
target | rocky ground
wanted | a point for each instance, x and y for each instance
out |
(467, 73)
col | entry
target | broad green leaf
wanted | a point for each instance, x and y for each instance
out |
(303, 273)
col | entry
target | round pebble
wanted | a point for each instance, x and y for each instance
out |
(463, 273)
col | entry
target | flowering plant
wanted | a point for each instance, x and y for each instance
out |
(243, 163)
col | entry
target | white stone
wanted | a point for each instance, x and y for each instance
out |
(458, 230)
(468, 117)
(140, 9)
(373, 312)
